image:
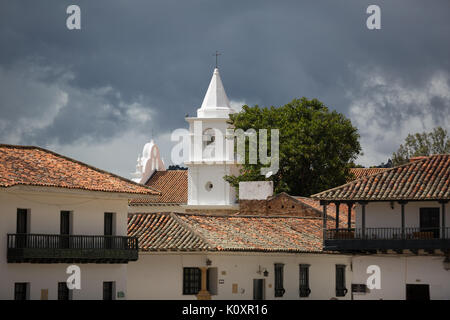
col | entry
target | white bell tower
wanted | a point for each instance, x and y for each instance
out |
(211, 154)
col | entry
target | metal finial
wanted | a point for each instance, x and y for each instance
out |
(217, 54)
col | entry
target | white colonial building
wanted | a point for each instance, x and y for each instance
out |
(401, 229)
(57, 212)
(202, 256)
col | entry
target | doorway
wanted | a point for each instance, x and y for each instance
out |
(258, 289)
(429, 221)
(22, 228)
(417, 292)
(64, 229)
(108, 230)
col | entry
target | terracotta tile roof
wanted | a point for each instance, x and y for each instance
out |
(425, 179)
(331, 210)
(364, 172)
(163, 232)
(35, 166)
(173, 185)
(177, 231)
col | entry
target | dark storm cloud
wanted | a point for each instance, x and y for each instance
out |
(138, 64)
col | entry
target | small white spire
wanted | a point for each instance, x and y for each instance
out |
(216, 103)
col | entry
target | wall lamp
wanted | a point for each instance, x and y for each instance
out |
(262, 271)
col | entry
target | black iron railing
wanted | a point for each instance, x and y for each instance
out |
(71, 248)
(388, 234)
(374, 239)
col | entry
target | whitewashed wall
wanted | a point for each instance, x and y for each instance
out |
(160, 275)
(221, 193)
(397, 271)
(88, 219)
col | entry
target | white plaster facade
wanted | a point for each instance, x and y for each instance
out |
(255, 190)
(382, 215)
(398, 270)
(44, 205)
(159, 275)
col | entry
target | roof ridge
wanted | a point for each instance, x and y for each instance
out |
(244, 216)
(371, 175)
(191, 230)
(410, 181)
(78, 162)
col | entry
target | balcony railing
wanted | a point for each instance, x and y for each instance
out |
(387, 238)
(56, 248)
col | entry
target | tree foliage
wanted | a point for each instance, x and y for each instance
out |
(422, 144)
(316, 146)
(388, 164)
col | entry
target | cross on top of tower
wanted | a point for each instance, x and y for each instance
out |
(217, 54)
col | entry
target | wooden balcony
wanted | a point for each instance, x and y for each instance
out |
(382, 239)
(56, 248)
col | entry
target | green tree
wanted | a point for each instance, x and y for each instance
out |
(422, 144)
(316, 146)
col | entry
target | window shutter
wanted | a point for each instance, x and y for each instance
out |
(279, 290)
(341, 290)
(304, 289)
(192, 278)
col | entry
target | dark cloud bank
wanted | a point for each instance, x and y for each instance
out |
(96, 94)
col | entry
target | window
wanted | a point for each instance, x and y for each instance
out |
(279, 290)
(209, 186)
(304, 290)
(108, 290)
(21, 291)
(341, 290)
(209, 136)
(208, 148)
(192, 280)
(63, 291)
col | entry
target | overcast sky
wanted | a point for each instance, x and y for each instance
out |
(135, 66)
